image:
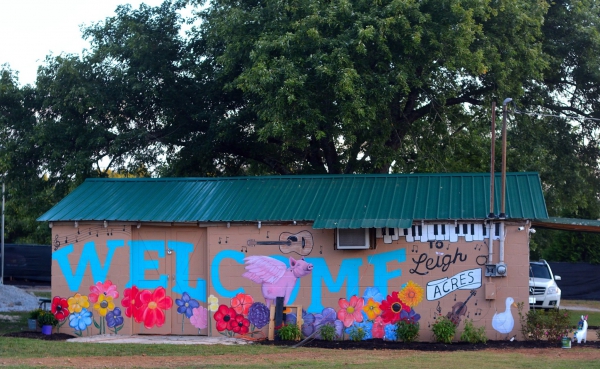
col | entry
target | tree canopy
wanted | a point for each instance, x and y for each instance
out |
(311, 86)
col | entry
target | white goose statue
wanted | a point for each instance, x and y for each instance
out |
(504, 322)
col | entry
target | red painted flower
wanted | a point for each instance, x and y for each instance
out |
(107, 288)
(60, 308)
(241, 303)
(240, 325)
(151, 307)
(131, 302)
(225, 317)
(391, 308)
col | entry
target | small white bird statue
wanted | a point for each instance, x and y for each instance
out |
(581, 333)
(504, 322)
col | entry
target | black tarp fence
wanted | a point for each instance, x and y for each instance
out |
(27, 262)
(579, 281)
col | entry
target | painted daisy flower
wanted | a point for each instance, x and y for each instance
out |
(411, 294)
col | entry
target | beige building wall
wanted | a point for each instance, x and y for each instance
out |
(163, 279)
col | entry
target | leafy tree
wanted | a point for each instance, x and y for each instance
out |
(311, 86)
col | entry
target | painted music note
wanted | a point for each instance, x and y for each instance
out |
(219, 239)
(438, 308)
(321, 250)
(448, 247)
(468, 315)
(66, 240)
(56, 243)
(267, 234)
(415, 248)
(476, 302)
(454, 297)
(478, 312)
(244, 249)
(77, 230)
(96, 233)
(90, 231)
(227, 239)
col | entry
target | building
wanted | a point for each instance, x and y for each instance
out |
(208, 255)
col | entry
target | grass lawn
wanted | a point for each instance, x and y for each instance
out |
(24, 353)
(29, 353)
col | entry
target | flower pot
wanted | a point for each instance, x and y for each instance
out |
(32, 324)
(47, 330)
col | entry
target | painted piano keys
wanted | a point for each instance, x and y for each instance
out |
(438, 232)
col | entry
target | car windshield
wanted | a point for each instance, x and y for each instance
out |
(539, 271)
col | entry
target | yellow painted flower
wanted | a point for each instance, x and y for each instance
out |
(78, 302)
(411, 294)
(213, 303)
(372, 309)
(104, 304)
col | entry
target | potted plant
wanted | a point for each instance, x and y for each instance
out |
(47, 321)
(32, 319)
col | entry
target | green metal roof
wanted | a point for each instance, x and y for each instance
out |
(568, 224)
(331, 201)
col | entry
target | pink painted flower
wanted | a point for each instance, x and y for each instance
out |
(378, 330)
(106, 288)
(350, 312)
(199, 318)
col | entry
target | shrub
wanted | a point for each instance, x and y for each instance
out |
(47, 318)
(407, 331)
(33, 314)
(443, 330)
(538, 324)
(289, 332)
(327, 332)
(472, 334)
(357, 334)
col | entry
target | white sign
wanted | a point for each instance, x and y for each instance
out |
(465, 280)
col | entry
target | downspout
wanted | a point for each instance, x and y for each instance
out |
(491, 215)
(502, 215)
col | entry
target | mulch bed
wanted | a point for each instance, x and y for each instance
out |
(40, 336)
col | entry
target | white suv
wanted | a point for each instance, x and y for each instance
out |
(543, 291)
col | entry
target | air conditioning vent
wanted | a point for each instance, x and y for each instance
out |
(352, 239)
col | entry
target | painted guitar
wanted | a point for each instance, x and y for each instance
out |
(301, 243)
(459, 309)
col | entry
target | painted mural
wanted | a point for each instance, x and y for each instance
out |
(369, 290)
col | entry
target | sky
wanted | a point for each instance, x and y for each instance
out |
(32, 29)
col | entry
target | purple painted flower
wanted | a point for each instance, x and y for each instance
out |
(309, 323)
(410, 316)
(258, 314)
(186, 305)
(114, 318)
